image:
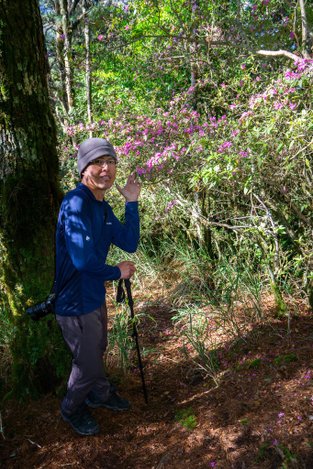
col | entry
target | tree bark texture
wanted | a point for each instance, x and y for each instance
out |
(307, 43)
(29, 190)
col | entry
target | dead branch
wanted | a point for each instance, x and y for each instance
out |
(282, 52)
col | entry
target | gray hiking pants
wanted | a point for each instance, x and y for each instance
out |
(86, 337)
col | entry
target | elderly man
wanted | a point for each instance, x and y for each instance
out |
(86, 228)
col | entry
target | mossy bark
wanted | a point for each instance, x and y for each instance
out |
(29, 191)
(28, 157)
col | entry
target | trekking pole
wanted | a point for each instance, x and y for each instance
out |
(120, 298)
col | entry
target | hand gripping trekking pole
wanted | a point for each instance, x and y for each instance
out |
(120, 298)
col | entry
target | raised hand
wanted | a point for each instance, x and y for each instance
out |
(131, 190)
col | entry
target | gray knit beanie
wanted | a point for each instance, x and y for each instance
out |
(91, 149)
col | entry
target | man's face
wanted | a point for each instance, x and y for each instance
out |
(100, 174)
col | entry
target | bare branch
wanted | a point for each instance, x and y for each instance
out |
(285, 53)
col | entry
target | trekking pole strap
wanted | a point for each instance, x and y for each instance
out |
(129, 296)
(120, 294)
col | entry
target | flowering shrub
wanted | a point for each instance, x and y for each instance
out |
(246, 170)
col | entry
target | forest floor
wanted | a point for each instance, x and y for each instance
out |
(259, 415)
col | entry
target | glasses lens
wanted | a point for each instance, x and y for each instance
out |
(101, 162)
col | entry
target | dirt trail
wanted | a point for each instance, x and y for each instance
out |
(260, 415)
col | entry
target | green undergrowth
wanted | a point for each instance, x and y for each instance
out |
(34, 359)
(210, 299)
(186, 418)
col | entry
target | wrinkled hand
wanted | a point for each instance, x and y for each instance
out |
(131, 190)
(127, 269)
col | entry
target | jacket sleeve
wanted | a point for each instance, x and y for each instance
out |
(126, 235)
(80, 243)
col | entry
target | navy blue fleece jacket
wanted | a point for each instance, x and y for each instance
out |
(85, 230)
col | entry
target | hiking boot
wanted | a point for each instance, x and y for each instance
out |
(114, 402)
(82, 421)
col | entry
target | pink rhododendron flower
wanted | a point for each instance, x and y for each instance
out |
(140, 171)
(278, 105)
(224, 146)
(303, 64)
(290, 75)
(245, 114)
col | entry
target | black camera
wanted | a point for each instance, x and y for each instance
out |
(41, 310)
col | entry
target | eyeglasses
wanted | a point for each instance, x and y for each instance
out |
(101, 161)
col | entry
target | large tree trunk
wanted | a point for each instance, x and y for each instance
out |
(29, 190)
(28, 158)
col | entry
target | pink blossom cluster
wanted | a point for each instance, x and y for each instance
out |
(224, 146)
(291, 75)
(156, 143)
(279, 89)
(259, 98)
(160, 160)
(245, 115)
(304, 64)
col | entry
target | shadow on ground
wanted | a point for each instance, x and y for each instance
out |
(259, 416)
